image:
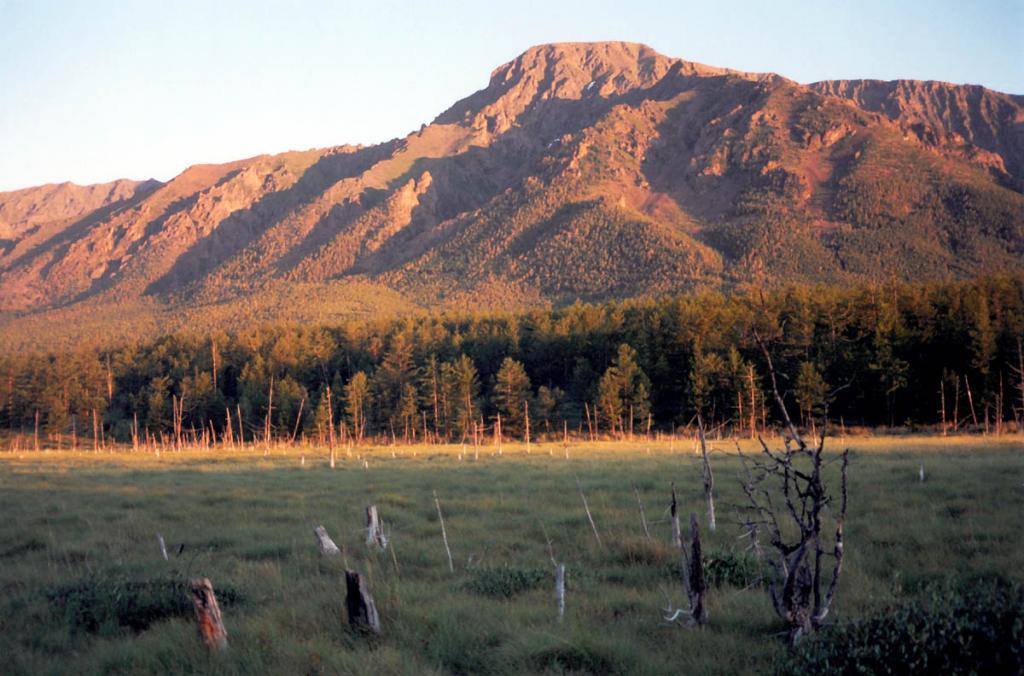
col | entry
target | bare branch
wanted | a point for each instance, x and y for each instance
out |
(778, 397)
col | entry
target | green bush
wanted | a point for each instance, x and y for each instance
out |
(728, 568)
(110, 605)
(974, 628)
(725, 567)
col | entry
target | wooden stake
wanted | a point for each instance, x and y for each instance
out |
(956, 405)
(213, 358)
(241, 427)
(753, 402)
(330, 424)
(590, 518)
(497, 432)
(560, 590)
(163, 545)
(270, 411)
(999, 407)
(643, 517)
(942, 404)
(709, 478)
(444, 533)
(211, 626)
(1020, 374)
(526, 414)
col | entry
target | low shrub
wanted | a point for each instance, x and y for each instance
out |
(735, 569)
(973, 628)
(725, 567)
(110, 605)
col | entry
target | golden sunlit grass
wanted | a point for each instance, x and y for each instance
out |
(88, 521)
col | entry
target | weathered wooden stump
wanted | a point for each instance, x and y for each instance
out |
(362, 612)
(211, 626)
(374, 530)
(324, 541)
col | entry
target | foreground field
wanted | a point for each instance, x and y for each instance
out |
(84, 586)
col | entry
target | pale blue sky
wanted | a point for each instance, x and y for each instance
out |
(93, 91)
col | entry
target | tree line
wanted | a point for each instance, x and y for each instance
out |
(874, 355)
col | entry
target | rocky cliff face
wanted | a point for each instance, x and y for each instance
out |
(580, 171)
(968, 121)
(23, 210)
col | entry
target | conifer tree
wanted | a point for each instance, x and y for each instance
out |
(511, 391)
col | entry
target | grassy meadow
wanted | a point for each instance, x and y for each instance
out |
(84, 586)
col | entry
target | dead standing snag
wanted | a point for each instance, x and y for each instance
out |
(692, 567)
(696, 585)
(789, 502)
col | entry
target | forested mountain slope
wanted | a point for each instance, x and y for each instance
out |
(588, 170)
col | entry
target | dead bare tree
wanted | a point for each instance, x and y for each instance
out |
(692, 568)
(696, 585)
(709, 478)
(789, 502)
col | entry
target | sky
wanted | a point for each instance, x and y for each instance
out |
(95, 91)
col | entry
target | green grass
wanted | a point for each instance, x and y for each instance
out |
(84, 587)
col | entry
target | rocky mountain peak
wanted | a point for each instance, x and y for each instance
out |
(567, 71)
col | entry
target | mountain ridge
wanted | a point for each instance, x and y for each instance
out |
(581, 171)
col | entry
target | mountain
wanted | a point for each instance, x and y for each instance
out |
(967, 121)
(590, 170)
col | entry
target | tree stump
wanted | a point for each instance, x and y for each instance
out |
(324, 541)
(211, 626)
(374, 530)
(362, 612)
